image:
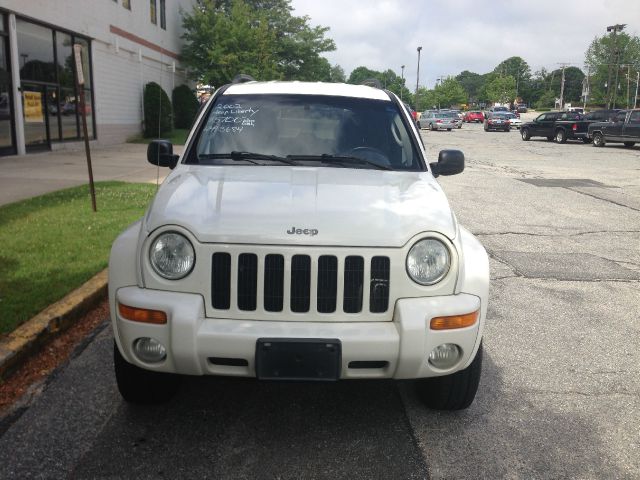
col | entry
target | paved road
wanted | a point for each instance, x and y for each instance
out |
(559, 393)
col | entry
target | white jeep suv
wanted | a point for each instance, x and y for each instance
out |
(300, 236)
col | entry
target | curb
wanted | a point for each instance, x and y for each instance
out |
(53, 320)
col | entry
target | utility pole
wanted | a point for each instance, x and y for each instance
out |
(628, 84)
(585, 89)
(635, 102)
(402, 76)
(417, 78)
(614, 29)
(562, 87)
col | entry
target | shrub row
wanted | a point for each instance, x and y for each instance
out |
(160, 116)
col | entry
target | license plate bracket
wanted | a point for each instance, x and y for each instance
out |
(298, 359)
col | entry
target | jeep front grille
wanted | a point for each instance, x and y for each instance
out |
(324, 284)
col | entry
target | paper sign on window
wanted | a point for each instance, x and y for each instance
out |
(33, 107)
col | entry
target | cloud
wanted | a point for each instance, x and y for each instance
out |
(473, 35)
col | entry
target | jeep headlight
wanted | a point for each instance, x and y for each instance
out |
(428, 261)
(172, 256)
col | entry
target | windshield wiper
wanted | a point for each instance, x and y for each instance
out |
(327, 158)
(248, 156)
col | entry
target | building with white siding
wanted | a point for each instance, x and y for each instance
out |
(126, 44)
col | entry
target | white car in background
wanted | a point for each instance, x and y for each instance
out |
(514, 120)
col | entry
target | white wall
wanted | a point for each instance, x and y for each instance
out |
(121, 66)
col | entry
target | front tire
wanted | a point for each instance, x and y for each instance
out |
(141, 386)
(561, 136)
(598, 140)
(452, 392)
(526, 136)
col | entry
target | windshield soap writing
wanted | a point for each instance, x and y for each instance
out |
(231, 118)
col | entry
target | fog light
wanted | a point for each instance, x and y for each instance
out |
(444, 356)
(149, 350)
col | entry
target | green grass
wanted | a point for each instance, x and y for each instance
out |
(54, 243)
(177, 137)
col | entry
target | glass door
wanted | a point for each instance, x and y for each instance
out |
(7, 141)
(36, 115)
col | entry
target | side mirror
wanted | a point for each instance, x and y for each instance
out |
(160, 152)
(450, 162)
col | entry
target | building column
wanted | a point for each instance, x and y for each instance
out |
(15, 82)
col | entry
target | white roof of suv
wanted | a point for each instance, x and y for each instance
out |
(309, 88)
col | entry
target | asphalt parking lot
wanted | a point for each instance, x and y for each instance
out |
(559, 396)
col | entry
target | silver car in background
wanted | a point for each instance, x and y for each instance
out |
(437, 121)
(456, 115)
(513, 120)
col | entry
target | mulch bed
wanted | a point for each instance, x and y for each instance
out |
(38, 367)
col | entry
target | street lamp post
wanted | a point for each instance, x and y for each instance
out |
(613, 49)
(418, 78)
(402, 76)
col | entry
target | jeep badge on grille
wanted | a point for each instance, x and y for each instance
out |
(303, 231)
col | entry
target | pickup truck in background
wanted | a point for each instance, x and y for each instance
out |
(558, 126)
(625, 129)
(563, 126)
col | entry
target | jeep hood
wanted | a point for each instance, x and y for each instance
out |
(287, 205)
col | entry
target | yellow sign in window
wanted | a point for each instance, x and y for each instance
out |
(33, 107)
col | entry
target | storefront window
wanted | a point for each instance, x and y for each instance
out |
(64, 52)
(35, 47)
(68, 117)
(49, 92)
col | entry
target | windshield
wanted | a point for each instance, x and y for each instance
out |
(316, 130)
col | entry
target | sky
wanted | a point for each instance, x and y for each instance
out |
(474, 35)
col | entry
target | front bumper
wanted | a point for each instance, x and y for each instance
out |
(192, 340)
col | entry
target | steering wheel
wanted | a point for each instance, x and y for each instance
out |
(369, 153)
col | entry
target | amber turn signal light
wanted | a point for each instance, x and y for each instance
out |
(142, 314)
(454, 321)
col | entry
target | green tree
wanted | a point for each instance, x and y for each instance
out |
(258, 37)
(360, 74)
(517, 68)
(185, 106)
(450, 92)
(539, 86)
(573, 77)
(471, 83)
(546, 100)
(600, 56)
(388, 80)
(158, 119)
(337, 74)
(427, 99)
(501, 89)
